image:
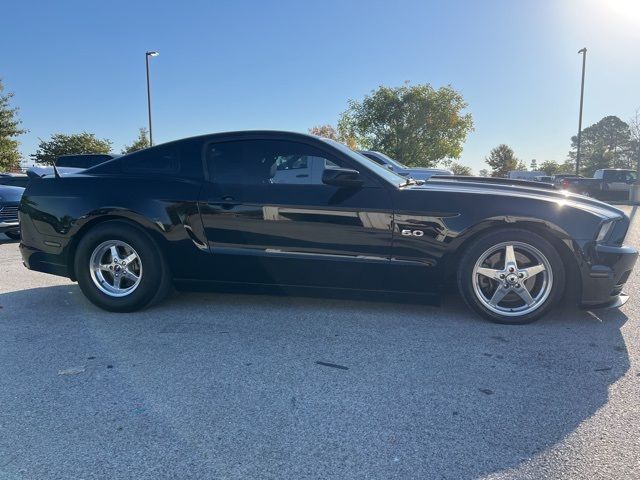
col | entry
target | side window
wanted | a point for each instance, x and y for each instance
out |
(631, 177)
(162, 159)
(260, 162)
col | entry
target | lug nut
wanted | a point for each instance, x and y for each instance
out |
(511, 269)
(501, 275)
(521, 275)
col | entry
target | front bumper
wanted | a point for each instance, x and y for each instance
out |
(604, 279)
(9, 226)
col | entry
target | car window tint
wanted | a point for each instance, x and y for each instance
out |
(262, 162)
(162, 159)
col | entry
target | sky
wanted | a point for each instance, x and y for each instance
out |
(235, 65)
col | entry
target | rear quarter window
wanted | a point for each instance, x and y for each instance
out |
(160, 160)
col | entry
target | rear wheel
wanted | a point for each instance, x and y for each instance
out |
(511, 276)
(119, 268)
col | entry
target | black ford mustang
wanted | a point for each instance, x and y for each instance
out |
(299, 212)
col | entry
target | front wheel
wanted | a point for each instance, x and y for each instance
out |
(119, 268)
(511, 276)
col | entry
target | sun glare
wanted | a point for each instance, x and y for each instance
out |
(628, 10)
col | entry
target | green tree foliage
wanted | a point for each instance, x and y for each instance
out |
(502, 160)
(329, 131)
(605, 144)
(415, 124)
(460, 169)
(60, 144)
(9, 131)
(140, 143)
(551, 167)
(634, 129)
(326, 131)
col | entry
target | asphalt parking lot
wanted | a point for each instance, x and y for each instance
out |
(211, 385)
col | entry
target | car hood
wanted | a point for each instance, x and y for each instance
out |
(560, 197)
(10, 194)
(421, 173)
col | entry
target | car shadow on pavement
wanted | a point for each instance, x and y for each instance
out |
(342, 388)
(4, 239)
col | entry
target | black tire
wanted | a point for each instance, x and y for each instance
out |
(550, 285)
(13, 235)
(155, 279)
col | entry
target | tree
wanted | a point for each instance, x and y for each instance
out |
(329, 131)
(634, 130)
(9, 131)
(551, 167)
(605, 144)
(140, 143)
(415, 124)
(326, 131)
(502, 160)
(459, 169)
(61, 144)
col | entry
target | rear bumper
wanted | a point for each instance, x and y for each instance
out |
(41, 261)
(604, 279)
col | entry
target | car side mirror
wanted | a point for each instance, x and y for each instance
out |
(342, 177)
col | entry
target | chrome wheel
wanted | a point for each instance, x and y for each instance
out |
(116, 268)
(512, 279)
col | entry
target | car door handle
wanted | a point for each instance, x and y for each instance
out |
(227, 199)
(302, 175)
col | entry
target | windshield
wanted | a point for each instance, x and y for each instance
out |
(379, 170)
(390, 160)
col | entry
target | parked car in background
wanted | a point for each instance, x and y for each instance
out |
(557, 179)
(524, 175)
(9, 200)
(544, 179)
(213, 210)
(68, 164)
(14, 179)
(608, 183)
(417, 173)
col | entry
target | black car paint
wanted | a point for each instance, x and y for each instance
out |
(315, 235)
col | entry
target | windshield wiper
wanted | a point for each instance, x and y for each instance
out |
(411, 181)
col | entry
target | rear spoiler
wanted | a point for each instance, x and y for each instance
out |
(495, 180)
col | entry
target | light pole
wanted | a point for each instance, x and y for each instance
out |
(146, 57)
(583, 51)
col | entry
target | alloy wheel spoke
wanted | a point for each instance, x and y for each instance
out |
(115, 256)
(510, 257)
(105, 268)
(489, 272)
(130, 258)
(533, 271)
(524, 294)
(130, 275)
(116, 281)
(498, 295)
